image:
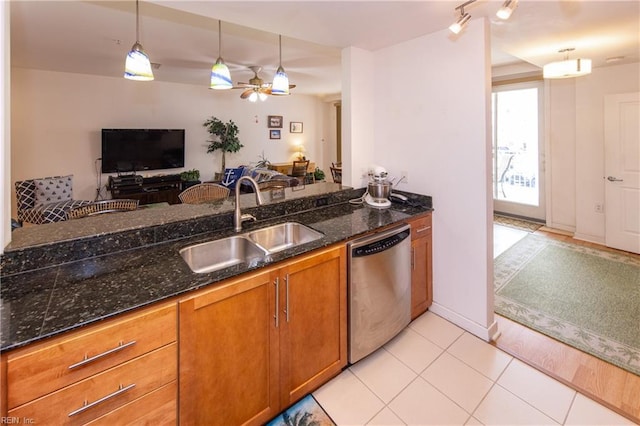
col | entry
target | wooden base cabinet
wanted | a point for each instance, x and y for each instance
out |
(96, 374)
(254, 345)
(421, 265)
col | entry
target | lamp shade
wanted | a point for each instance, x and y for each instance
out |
(137, 66)
(567, 69)
(220, 76)
(280, 84)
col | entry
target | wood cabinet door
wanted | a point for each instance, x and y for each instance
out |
(421, 266)
(228, 354)
(313, 322)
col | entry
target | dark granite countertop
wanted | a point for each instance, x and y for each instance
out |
(44, 302)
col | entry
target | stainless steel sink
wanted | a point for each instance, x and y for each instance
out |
(219, 254)
(283, 236)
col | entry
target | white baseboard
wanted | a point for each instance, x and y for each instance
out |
(485, 333)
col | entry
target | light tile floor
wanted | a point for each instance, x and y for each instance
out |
(435, 373)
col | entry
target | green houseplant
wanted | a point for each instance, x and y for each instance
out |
(318, 174)
(224, 137)
(190, 175)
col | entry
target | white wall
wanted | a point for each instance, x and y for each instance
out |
(57, 118)
(431, 104)
(575, 153)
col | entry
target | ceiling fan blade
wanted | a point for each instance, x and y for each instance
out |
(291, 86)
(246, 93)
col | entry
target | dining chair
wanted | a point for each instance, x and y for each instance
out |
(336, 174)
(299, 170)
(103, 206)
(203, 192)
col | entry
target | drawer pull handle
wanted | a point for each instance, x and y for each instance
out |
(86, 406)
(426, 228)
(286, 309)
(86, 360)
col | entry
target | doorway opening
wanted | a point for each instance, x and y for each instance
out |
(518, 150)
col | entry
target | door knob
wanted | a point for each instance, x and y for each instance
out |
(613, 179)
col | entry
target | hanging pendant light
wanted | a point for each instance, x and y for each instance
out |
(138, 67)
(280, 84)
(220, 76)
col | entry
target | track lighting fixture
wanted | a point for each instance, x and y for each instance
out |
(503, 13)
(220, 76)
(567, 68)
(507, 9)
(280, 84)
(462, 21)
(138, 66)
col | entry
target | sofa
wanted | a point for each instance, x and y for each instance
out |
(45, 200)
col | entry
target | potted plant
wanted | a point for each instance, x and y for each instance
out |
(224, 137)
(190, 178)
(318, 174)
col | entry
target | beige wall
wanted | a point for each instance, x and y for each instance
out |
(57, 118)
(438, 132)
(5, 148)
(576, 147)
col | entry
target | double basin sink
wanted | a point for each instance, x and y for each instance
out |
(245, 248)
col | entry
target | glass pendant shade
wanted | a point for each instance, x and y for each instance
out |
(137, 66)
(567, 69)
(220, 76)
(280, 83)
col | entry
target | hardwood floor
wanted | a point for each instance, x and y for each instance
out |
(612, 386)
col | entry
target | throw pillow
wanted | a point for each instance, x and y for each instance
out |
(53, 189)
(231, 176)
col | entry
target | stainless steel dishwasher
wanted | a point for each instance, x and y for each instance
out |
(379, 289)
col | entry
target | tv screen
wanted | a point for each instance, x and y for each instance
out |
(134, 150)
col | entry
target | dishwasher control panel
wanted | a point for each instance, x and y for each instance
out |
(380, 245)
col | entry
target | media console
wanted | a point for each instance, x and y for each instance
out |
(148, 190)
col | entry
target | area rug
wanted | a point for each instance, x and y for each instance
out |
(306, 412)
(584, 297)
(513, 222)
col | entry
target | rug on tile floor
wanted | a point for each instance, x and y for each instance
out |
(512, 222)
(584, 297)
(306, 412)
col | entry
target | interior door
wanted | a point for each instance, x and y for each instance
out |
(622, 171)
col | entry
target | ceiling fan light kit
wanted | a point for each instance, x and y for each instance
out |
(503, 13)
(220, 75)
(568, 68)
(138, 66)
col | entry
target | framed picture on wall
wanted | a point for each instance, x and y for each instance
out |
(275, 121)
(295, 127)
(274, 134)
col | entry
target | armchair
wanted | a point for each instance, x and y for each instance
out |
(45, 200)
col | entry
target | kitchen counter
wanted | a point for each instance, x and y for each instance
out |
(45, 302)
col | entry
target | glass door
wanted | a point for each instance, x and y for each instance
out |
(518, 150)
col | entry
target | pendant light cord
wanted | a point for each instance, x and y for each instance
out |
(219, 38)
(137, 23)
(280, 50)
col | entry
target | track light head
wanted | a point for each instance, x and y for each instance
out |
(459, 25)
(507, 9)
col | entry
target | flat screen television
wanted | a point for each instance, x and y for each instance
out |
(134, 150)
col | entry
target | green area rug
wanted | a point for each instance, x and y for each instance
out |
(586, 298)
(306, 412)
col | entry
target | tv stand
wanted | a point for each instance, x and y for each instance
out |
(148, 190)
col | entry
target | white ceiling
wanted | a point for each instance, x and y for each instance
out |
(93, 37)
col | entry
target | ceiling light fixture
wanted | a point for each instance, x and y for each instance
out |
(462, 21)
(280, 84)
(507, 9)
(220, 76)
(137, 66)
(568, 68)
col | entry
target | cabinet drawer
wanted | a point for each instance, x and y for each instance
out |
(100, 394)
(42, 368)
(156, 408)
(420, 227)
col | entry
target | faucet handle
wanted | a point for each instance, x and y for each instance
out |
(247, 216)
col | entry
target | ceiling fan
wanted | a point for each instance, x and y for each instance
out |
(256, 88)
